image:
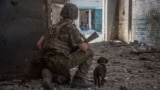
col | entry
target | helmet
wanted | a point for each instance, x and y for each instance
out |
(69, 11)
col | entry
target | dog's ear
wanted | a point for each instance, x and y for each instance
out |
(102, 60)
(106, 60)
(99, 60)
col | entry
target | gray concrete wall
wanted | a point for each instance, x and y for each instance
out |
(21, 24)
(123, 20)
(111, 14)
(146, 21)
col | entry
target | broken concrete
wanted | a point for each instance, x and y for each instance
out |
(125, 70)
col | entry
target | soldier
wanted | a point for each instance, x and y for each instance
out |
(68, 51)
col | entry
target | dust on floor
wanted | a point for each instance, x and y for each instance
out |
(127, 69)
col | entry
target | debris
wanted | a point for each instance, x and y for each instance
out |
(144, 58)
(17, 81)
(6, 83)
(148, 65)
(127, 65)
(27, 86)
(123, 88)
(116, 62)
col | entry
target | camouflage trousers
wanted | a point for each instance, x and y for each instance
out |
(60, 64)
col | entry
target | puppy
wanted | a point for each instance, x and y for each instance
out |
(100, 71)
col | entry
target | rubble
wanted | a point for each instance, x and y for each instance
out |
(129, 68)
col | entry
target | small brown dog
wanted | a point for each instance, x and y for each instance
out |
(100, 71)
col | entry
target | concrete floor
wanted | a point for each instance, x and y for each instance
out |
(125, 70)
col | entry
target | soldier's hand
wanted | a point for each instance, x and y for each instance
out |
(83, 46)
(40, 41)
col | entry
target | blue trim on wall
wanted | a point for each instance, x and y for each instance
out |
(85, 7)
(98, 19)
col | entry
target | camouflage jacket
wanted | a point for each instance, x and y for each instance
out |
(67, 39)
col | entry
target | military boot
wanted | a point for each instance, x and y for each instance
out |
(47, 79)
(60, 79)
(80, 82)
(63, 80)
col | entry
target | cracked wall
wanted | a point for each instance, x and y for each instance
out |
(146, 21)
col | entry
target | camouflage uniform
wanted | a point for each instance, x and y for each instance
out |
(60, 62)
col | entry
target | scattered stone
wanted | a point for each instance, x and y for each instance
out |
(144, 58)
(134, 70)
(148, 65)
(123, 88)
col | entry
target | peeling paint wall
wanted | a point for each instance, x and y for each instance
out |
(123, 20)
(112, 5)
(146, 21)
(55, 12)
(54, 7)
(140, 22)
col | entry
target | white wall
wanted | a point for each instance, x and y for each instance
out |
(55, 14)
(88, 3)
(146, 21)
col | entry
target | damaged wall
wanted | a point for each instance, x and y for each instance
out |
(123, 19)
(139, 20)
(113, 20)
(21, 24)
(146, 21)
(54, 8)
(112, 5)
(55, 12)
